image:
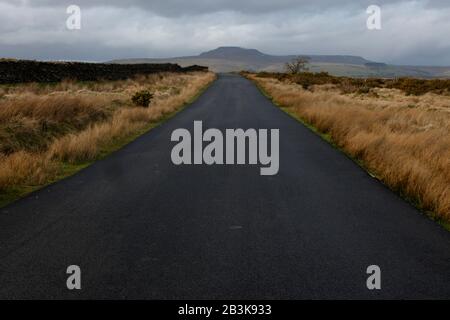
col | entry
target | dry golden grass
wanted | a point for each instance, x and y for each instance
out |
(42, 127)
(404, 140)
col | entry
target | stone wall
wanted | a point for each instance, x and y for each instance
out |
(18, 71)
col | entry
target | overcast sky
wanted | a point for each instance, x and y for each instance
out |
(413, 32)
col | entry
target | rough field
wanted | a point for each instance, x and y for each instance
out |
(399, 130)
(49, 131)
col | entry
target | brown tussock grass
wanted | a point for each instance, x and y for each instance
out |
(85, 146)
(88, 118)
(22, 166)
(404, 140)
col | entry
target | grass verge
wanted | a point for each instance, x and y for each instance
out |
(439, 217)
(61, 168)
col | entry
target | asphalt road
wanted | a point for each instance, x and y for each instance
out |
(140, 227)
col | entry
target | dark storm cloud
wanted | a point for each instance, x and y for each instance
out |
(413, 31)
(193, 7)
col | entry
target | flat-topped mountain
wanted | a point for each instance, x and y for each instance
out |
(229, 59)
(253, 55)
(235, 53)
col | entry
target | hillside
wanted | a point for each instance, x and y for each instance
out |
(229, 59)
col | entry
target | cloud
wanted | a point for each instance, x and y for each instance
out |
(414, 32)
(173, 8)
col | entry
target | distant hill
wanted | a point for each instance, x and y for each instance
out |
(235, 53)
(229, 59)
(253, 55)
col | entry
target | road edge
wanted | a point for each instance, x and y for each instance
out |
(326, 137)
(68, 170)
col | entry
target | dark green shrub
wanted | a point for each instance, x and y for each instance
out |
(363, 90)
(142, 98)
